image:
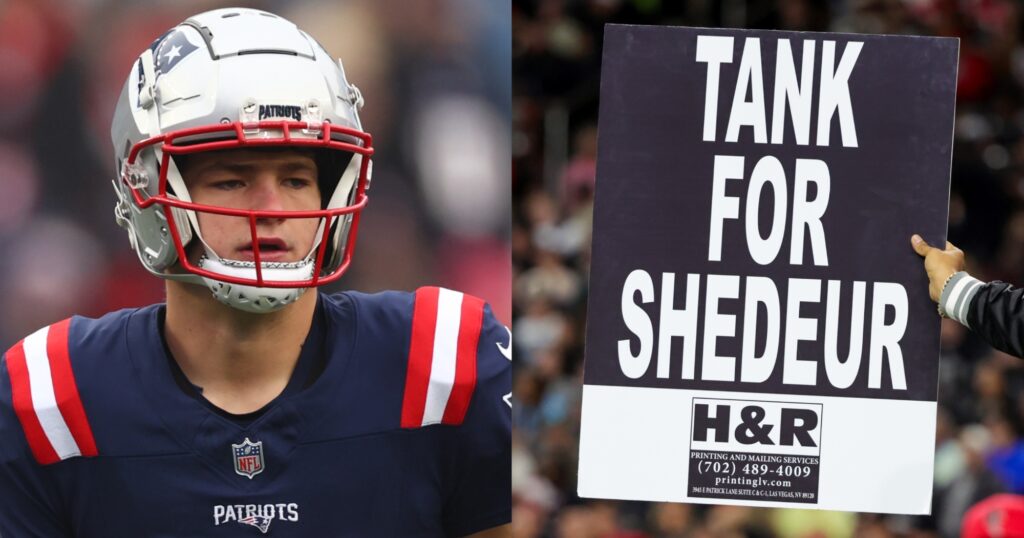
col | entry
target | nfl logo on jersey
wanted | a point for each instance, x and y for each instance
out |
(248, 458)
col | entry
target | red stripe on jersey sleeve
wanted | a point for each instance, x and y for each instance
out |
(65, 389)
(421, 354)
(21, 398)
(465, 362)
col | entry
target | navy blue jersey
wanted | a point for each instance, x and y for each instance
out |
(396, 423)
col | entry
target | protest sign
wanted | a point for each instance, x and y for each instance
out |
(759, 329)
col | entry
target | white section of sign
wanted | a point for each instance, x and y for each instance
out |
(876, 455)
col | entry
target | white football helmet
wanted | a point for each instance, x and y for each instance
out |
(237, 78)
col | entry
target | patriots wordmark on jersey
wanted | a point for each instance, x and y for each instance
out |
(394, 423)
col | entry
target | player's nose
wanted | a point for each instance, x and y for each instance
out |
(268, 195)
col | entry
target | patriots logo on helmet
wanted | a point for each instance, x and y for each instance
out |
(172, 49)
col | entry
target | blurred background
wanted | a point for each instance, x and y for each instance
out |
(436, 78)
(556, 52)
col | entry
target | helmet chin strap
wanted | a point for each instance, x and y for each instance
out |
(251, 298)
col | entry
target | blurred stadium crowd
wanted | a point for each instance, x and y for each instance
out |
(436, 78)
(556, 59)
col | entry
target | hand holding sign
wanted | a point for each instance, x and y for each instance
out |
(940, 264)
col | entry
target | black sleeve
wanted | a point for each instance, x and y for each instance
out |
(997, 314)
(994, 310)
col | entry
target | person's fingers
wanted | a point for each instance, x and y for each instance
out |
(950, 246)
(921, 247)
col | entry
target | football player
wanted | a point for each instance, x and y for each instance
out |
(250, 404)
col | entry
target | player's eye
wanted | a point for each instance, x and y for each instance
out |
(298, 182)
(227, 184)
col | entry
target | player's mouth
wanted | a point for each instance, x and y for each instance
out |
(272, 249)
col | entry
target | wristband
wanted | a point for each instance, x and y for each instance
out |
(938, 305)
